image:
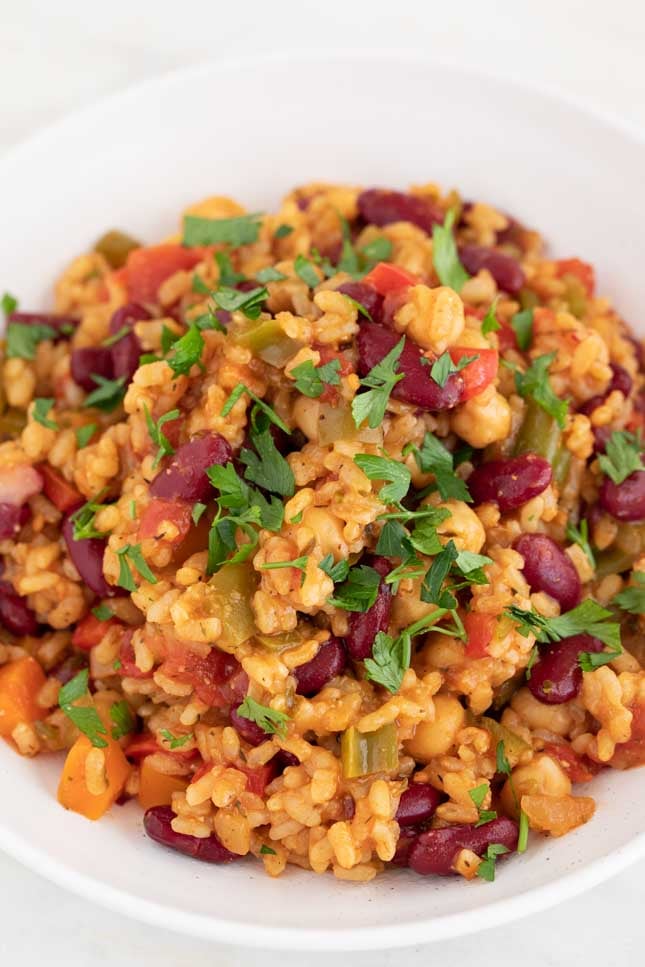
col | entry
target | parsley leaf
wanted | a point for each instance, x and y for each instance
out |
(358, 592)
(267, 851)
(102, 613)
(380, 382)
(311, 380)
(486, 869)
(444, 255)
(384, 468)
(437, 573)
(632, 598)
(522, 326)
(116, 336)
(85, 718)
(84, 434)
(478, 794)
(305, 269)
(336, 571)
(186, 351)
(424, 537)
(239, 391)
(233, 300)
(269, 274)
(108, 394)
(348, 261)
(444, 366)
(380, 250)
(622, 456)
(123, 719)
(433, 457)
(590, 660)
(536, 384)
(197, 511)
(83, 519)
(131, 553)
(268, 468)
(300, 563)
(523, 837)
(23, 339)
(283, 230)
(390, 660)
(269, 719)
(242, 230)
(9, 303)
(157, 436)
(587, 618)
(502, 763)
(176, 741)
(42, 406)
(580, 536)
(227, 274)
(489, 322)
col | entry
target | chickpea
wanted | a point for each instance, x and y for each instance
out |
(306, 414)
(328, 530)
(541, 777)
(408, 607)
(434, 318)
(437, 738)
(463, 526)
(537, 715)
(484, 419)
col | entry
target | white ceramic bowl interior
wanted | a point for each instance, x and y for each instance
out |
(253, 130)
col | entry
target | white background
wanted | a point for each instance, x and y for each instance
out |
(59, 56)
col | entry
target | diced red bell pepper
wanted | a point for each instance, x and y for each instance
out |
(63, 495)
(582, 271)
(630, 754)
(578, 768)
(146, 268)
(128, 667)
(386, 277)
(90, 631)
(478, 374)
(146, 744)
(479, 630)
(175, 512)
(258, 778)
(218, 678)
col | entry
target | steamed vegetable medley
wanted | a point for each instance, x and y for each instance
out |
(322, 534)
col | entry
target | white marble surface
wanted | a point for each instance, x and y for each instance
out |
(58, 57)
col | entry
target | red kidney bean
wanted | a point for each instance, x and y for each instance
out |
(127, 315)
(328, 662)
(348, 806)
(127, 350)
(183, 476)
(283, 760)
(69, 667)
(547, 568)
(510, 483)
(88, 361)
(15, 616)
(364, 626)
(407, 838)
(381, 207)
(87, 557)
(506, 271)
(417, 804)
(12, 518)
(435, 850)
(247, 730)
(556, 677)
(367, 295)
(392, 302)
(57, 322)
(417, 386)
(624, 501)
(621, 380)
(247, 285)
(157, 824)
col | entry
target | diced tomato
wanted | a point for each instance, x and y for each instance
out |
(128, 667)
(582, 271)
(479, 630)
(176, 512)
(578, 768)
(506, 338)
(385, 277)
(258, 778)
(632, 753)
(90, 631)
(147, 268)
(146, 744)
(478, 374)
(218, 678)
(63, 495)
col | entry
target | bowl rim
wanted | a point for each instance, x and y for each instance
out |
(294, 938)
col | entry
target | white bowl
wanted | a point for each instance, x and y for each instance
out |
(253, 130)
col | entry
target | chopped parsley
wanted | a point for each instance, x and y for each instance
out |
(380, 381)
(157, 436)
(227, 274)
(239, 391)
(242, 230)
(186, 351)
(443, 367)
(199, 286)
(389, 661)
(312, 380)
(522, 326)
(102, 613)
(380, 250)
(533, 657)
(283, 230)
(359, 590)
(445, 258)
(433, 457)
(580, 536)
(306, 271)
(300, 563)
(469, 567)
(42, 406)
(478, 794)
(269, 719)
(168, 339)
(83, 519)
(131, 554)
(348, 261)
(22, 339)
(536, 384)
(108, 394)
(489, 322)
(85, 717)
(587, 618)
(266, 467)
(123, 719)
(269, 274)
(176, 741)
(384, 468)
(486, 869)
(84, 434)
(632, 598)
(523, 837)
(116, 337)
(590, 660)
(9, 303)
(336, 571)
(622, 456)
(249, 303)
(267, 851)
(197, 511)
